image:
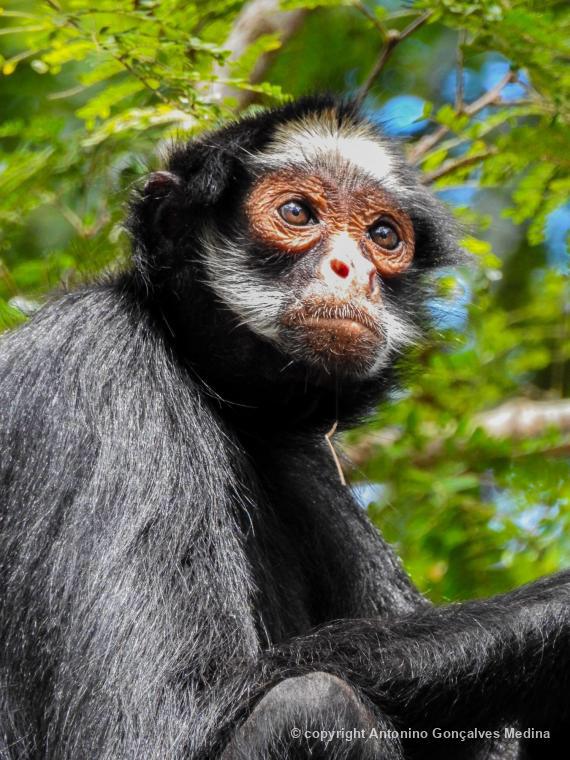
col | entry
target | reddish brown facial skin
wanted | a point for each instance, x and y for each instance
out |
(337, 209)
(337, 312)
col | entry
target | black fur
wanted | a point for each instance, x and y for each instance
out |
(181, 573)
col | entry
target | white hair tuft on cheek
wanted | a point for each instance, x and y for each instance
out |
(240, 288)
(399, 334)
(398, 331)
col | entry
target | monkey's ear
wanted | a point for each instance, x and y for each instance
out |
(175, 201)
(157, 212)
(160, 184)
(206, 171)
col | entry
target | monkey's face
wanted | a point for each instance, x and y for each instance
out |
(318, 239)
(338, 237)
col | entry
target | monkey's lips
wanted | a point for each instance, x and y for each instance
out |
(342, 327)
(342, 333)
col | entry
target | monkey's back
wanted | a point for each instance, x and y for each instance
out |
(122, 572)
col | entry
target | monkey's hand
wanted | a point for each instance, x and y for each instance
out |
(313, 716)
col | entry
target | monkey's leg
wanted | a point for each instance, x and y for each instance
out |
(312, 716)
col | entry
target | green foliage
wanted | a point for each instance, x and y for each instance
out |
(89, 90)
(92, 93)
(473, 514)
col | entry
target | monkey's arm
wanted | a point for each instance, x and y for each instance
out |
(482, 663)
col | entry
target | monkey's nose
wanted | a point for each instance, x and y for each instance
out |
(359, 275)
(341, 268)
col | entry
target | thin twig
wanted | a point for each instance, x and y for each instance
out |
(424, 145)
(119, 58)
(491, 96)
(142, 79)
(328, 439)
(362, 8)
(486, 129)
(460, 163)
(414, 25)
(392, 39)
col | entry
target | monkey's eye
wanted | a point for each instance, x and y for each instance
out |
(296, 213)
(384, 235)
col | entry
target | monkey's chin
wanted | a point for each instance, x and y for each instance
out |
(337, 345)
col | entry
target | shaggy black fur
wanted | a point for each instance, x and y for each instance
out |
(181, 573)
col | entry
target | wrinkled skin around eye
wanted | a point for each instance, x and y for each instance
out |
(296, 211)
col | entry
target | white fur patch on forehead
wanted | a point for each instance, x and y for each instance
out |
(320, 139)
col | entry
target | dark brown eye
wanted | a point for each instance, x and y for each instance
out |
(384, 235)
(295, 212)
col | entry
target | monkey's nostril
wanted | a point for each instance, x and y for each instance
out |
(373, 285)
(340, 268)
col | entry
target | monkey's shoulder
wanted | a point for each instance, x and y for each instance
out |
(90, 387)
(90, 354)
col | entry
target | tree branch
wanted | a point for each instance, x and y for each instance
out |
(523, 418)
(518, 419)
(392, 40)
(362, 8)
(488, 98)
(450, 166)
(256, 18)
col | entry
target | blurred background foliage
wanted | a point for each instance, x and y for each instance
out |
(466, 469)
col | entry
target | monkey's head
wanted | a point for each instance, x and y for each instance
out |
(294, 245)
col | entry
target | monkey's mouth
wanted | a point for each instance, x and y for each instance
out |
(338, 332)
(337, 318)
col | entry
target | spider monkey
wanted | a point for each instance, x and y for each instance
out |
(182, 575)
